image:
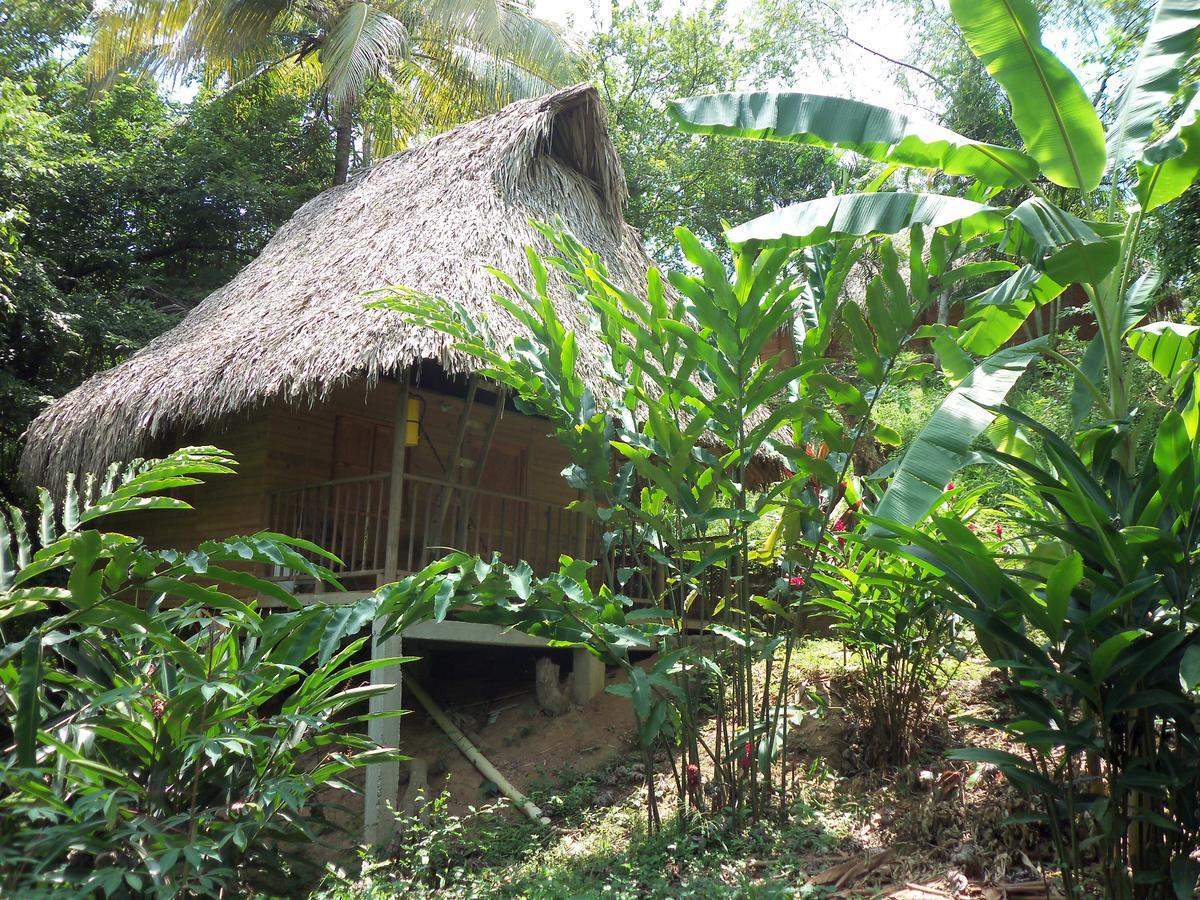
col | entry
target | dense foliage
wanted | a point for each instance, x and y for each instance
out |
(648, 55)
(120, 212)
(392, 69)
(161, 736)
(739, 483)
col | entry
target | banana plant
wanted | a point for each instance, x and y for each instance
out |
(1066, 145)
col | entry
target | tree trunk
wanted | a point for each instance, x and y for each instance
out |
(344, 129)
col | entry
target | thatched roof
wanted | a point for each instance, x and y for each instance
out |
(293, 323)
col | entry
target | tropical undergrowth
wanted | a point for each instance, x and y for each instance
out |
(940, 814)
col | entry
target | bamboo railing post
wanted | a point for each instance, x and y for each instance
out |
(383, 779)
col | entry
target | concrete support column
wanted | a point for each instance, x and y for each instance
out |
(382, 792)
(589, 675)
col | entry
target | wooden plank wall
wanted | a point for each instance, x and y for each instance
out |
(224, 505)
(300, 448)
(286, 446)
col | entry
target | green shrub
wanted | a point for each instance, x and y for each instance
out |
(893, 618)
(161, 737)
(1095, 625)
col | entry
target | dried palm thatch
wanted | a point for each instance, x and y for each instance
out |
(293, 323)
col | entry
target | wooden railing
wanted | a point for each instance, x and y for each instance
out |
(349, 517)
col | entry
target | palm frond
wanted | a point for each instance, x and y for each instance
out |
(360, 44)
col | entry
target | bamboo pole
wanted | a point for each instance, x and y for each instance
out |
(434, 538)
(486, 769)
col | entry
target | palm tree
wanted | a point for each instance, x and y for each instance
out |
(399, 67)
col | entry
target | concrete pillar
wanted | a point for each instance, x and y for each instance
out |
(588, 678)
(382, 792)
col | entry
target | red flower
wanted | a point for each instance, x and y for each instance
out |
(841, 542)
(999, 530)
(840, 524)
(693, 775)
(950, 486)
(971, 526)
(747, 759)
(796, 581)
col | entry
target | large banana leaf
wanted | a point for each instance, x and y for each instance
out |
(1049, 106)
(1170, 165)
(1063, 246)
(1154, 77)
(996, 314)
(1167, 346)
(884, 135)
(944, 444)
(859, 215)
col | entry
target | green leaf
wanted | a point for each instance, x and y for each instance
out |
(976, 269)
(520, 579)
(1092, 367)
(875, 132)
(943, 445)
(730, 634)
(1185, 873)
(29, 707)
(859, 215)
(1153, 77)
(1108, 651)
(1049, 106)
(1063, 246)
(1171, 164)
(1063, 578)
(1173, 457)
(1139, 299)
(886, 435)
(1165, 345)
(361, 42)
(1189, 668)
(995, 315)
(8, 557)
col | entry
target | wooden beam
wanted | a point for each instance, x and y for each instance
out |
(391, 557)
(481, 461)
(501, 395)
(434, 537)
(454, 631)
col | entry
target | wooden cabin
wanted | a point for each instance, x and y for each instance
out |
(352, 428)
(346, 420)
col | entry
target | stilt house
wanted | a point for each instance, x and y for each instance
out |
(354, 429)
